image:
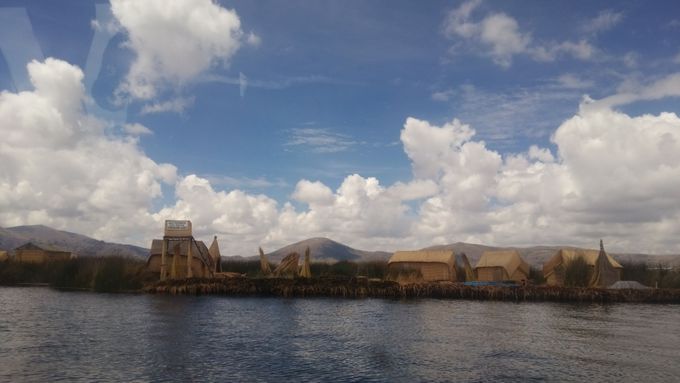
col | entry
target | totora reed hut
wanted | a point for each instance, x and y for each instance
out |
(507, 265)
(429, 266)
(33, 253)
(603, 269)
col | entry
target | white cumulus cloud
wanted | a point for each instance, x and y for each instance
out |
(612, 176)
(609, 175)
(235, 215)
(174, 41)
(61, 168)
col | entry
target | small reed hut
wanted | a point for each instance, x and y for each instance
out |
(428, 266)
(3, 256)
(603, 270)
(506, 265)
(33, 253)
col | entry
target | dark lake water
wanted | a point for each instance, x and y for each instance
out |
(47, 335)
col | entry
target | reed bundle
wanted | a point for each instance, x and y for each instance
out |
(365, 288)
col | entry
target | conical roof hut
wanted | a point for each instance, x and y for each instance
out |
(214, 252)
(609, 269)
(604, 273)
(505, 265)
(427, 265)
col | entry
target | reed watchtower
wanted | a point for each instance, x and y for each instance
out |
(179, 233)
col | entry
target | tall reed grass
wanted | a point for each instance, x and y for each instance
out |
(101, 274)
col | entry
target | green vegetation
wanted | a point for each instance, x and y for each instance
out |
(577, 273)
(101, 274)
(536, 276)
(342, 269)
(249, 268)
(373, 269)
(659, 275)
(116, 273)
(403, 273)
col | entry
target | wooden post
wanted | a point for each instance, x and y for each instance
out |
(189, 273)
(175, 254)
(164, 250)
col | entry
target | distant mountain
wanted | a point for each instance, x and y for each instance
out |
(78, 244)
(324, 249)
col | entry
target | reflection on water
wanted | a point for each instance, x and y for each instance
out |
(46, 335)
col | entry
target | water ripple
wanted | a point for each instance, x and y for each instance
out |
(47, 335)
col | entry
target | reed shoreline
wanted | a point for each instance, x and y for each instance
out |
(357, 288)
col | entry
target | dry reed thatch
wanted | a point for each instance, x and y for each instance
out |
(288, 266)
(305, 270)
(264, 263)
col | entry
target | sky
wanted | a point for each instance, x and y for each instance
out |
(384, 125)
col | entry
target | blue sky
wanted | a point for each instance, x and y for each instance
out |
(319, 91)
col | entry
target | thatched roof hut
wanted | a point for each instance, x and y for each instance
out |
(505, 265)
(34, 253)
(3, 256)
(428, 265)
(604, 270)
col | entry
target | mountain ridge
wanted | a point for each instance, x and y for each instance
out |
(325, 249)
(321, 248)
(78, 244)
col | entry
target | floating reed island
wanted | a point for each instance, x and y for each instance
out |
(366, 288)
(186, 266)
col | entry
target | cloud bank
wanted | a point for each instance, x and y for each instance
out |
(612, 175)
